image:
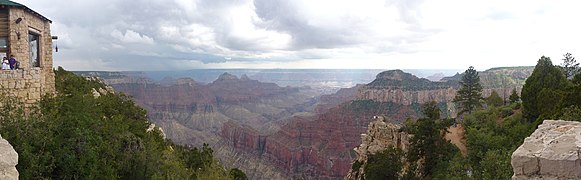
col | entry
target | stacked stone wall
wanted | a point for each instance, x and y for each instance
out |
(28, 83)
(23, 84)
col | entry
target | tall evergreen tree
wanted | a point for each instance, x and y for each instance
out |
(570, 65)
(494, 99)
(513, 96)
(428, 146)
(469, 97)
(546, 78)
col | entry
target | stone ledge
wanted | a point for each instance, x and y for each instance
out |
(551, 152)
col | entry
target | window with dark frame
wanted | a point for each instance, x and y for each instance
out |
(4, 33)
(34, 49)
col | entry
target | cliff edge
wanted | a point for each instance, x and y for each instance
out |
(8, 160)
(380, 135)
(553, 151)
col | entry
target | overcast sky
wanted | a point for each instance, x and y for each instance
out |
(379, 34)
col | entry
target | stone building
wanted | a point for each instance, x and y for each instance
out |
(25, 34)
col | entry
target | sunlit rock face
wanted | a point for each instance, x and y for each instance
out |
(8, 161)
(381, 134)
(551, 152)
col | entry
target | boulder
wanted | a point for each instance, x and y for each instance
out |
(8, 160)
(551, 152)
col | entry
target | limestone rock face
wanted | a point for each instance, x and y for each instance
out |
(551, 152)
(8, 160)
(380, 135)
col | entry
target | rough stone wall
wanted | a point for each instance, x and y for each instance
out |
(28, 84)
(553, 151)
(8, 160)
(380, 135)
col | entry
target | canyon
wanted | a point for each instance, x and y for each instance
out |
(273, 132)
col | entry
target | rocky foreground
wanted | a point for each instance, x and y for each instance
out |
(8, 160)
(553, 151)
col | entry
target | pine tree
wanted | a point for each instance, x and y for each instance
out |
(514, 96)
(570, 65)
(428, 146)
(494, 99)
(469, 97)
(545, 78)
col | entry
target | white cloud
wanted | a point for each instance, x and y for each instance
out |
(131, 36)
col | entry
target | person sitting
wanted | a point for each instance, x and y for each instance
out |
(12, 62)
(5, 65)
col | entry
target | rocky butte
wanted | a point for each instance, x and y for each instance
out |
(403, 88)
(553, 151)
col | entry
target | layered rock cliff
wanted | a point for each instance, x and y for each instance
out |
(380, 135)
(553, 151)
(8, 160)
(403, 88)
(231, 114)
(280, 132)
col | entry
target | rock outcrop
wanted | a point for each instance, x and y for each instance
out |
(8, 160)
(380, 135)
(553, 151)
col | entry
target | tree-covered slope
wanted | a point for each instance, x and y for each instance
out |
(87, 132)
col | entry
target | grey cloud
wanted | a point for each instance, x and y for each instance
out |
(284, 16)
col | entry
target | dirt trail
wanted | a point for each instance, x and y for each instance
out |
(456, 136)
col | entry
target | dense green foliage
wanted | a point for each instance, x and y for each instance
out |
(491, 137)
(237, 174)
(544, 88)
(494, 100)
(386, 164)
(514, 97)
(76, 135)
(469, 97)
(428, 148)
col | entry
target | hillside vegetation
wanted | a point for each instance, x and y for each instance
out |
(86, 132)
(492, 131)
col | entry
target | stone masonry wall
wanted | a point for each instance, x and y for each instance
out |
(22, 84)
(553, 151)
(28, 84)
